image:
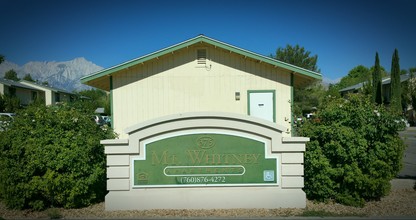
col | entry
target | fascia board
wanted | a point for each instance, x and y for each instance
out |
(45, 88)
(263, 58)
(139, 60)
(200, 38)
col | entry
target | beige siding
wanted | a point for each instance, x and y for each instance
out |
(48, 93)
(175, 83)
(24, 95)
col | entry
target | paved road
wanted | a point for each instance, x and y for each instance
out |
(409, 159)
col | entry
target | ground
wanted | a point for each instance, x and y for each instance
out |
(400, 202)
(409, 157)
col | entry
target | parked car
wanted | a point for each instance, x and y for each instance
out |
(5, 120)
(107, 120)
(98, 120)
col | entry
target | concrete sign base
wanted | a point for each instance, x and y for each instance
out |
(205, 161)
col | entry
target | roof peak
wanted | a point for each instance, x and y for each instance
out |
(198, 39)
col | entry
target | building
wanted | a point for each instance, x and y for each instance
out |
(27, 92)
(200, 74)
(385, 87)
(50, 94)
(203, 120)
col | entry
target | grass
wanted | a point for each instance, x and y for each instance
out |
(54, 213)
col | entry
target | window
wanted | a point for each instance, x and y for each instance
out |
(12, 91)
(201, 56)
(34, 96)
(57, 97)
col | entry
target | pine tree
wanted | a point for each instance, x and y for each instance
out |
(12, 75)
(29, 78)
(377, 94)
(395, 90)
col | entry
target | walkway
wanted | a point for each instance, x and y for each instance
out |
(409, 159)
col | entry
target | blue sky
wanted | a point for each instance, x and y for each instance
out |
(344, 34)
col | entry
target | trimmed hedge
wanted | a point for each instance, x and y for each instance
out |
(354, 152)
(52, 157)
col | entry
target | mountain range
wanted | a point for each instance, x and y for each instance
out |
(64, 75)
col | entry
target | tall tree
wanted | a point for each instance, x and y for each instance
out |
(395, 90)
(298, 56)
(305, 99)
(412, 87)
(12, 75)
(356, 75)
(377, 94)
(1, 58)
(29, 78)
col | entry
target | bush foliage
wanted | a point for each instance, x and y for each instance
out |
(52, 157)
(354, 151)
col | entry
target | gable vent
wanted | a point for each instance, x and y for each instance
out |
(201, 56)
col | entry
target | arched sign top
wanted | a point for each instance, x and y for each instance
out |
(209, 117)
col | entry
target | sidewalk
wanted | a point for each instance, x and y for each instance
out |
(409, 157)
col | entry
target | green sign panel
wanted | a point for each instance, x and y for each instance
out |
(204, 159)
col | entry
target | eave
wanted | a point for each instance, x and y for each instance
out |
(297, 71)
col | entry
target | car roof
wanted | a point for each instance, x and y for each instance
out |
(9, 114)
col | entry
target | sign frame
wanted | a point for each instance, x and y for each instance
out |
(267, 155)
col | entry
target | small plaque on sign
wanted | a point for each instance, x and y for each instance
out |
(268, 175)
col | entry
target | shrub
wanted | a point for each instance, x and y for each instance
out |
(9, 103)
(51, 156)
(354, 151)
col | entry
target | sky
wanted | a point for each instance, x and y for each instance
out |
(343, 33)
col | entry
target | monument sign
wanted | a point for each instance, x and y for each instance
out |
(204, 159)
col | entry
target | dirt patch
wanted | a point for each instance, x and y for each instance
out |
(400, 202)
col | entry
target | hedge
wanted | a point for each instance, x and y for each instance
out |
(52, 157)
(354, 152)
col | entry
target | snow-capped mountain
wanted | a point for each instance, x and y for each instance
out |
(65, 75)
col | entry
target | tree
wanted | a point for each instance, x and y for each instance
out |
(29, 78)
(12, 75)
(298, 56)
(1, 58)
(409, 93)
(356, 75)
(305, 99)
(97, 98)
(377, 93)
(308, 99)
(395, 90)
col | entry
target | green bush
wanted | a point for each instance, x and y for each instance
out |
(52, 157)
(9, 103)
(354, 152)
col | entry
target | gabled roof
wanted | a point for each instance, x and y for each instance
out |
(201, 38)
(54, 89)
(384, 81)
(17, 84)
